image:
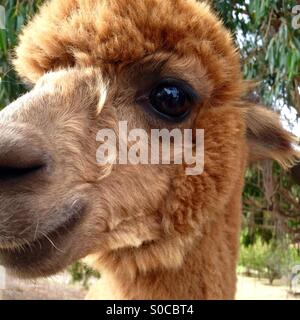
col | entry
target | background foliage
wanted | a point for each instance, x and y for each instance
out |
(17, 13)
(269, 44)
(270, 50)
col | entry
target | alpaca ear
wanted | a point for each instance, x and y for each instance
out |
(267, 139)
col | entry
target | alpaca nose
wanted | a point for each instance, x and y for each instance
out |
(21, 153)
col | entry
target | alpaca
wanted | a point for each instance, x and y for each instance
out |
(153, 231)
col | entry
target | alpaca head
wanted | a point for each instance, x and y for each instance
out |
(93, 64)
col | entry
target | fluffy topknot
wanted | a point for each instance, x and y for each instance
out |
(92, 32)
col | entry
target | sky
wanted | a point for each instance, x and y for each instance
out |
(289, 120)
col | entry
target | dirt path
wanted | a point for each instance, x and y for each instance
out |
(54, 288)
(255, 289)
(59, 288)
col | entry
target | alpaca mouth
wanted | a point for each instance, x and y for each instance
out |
(23, 254)
(21, 244)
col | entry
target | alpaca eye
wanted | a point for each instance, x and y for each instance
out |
(172, 100)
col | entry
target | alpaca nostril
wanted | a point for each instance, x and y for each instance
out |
(8, 173)
(21, 154)
(21, 162)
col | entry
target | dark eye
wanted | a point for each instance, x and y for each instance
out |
(172, 100)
